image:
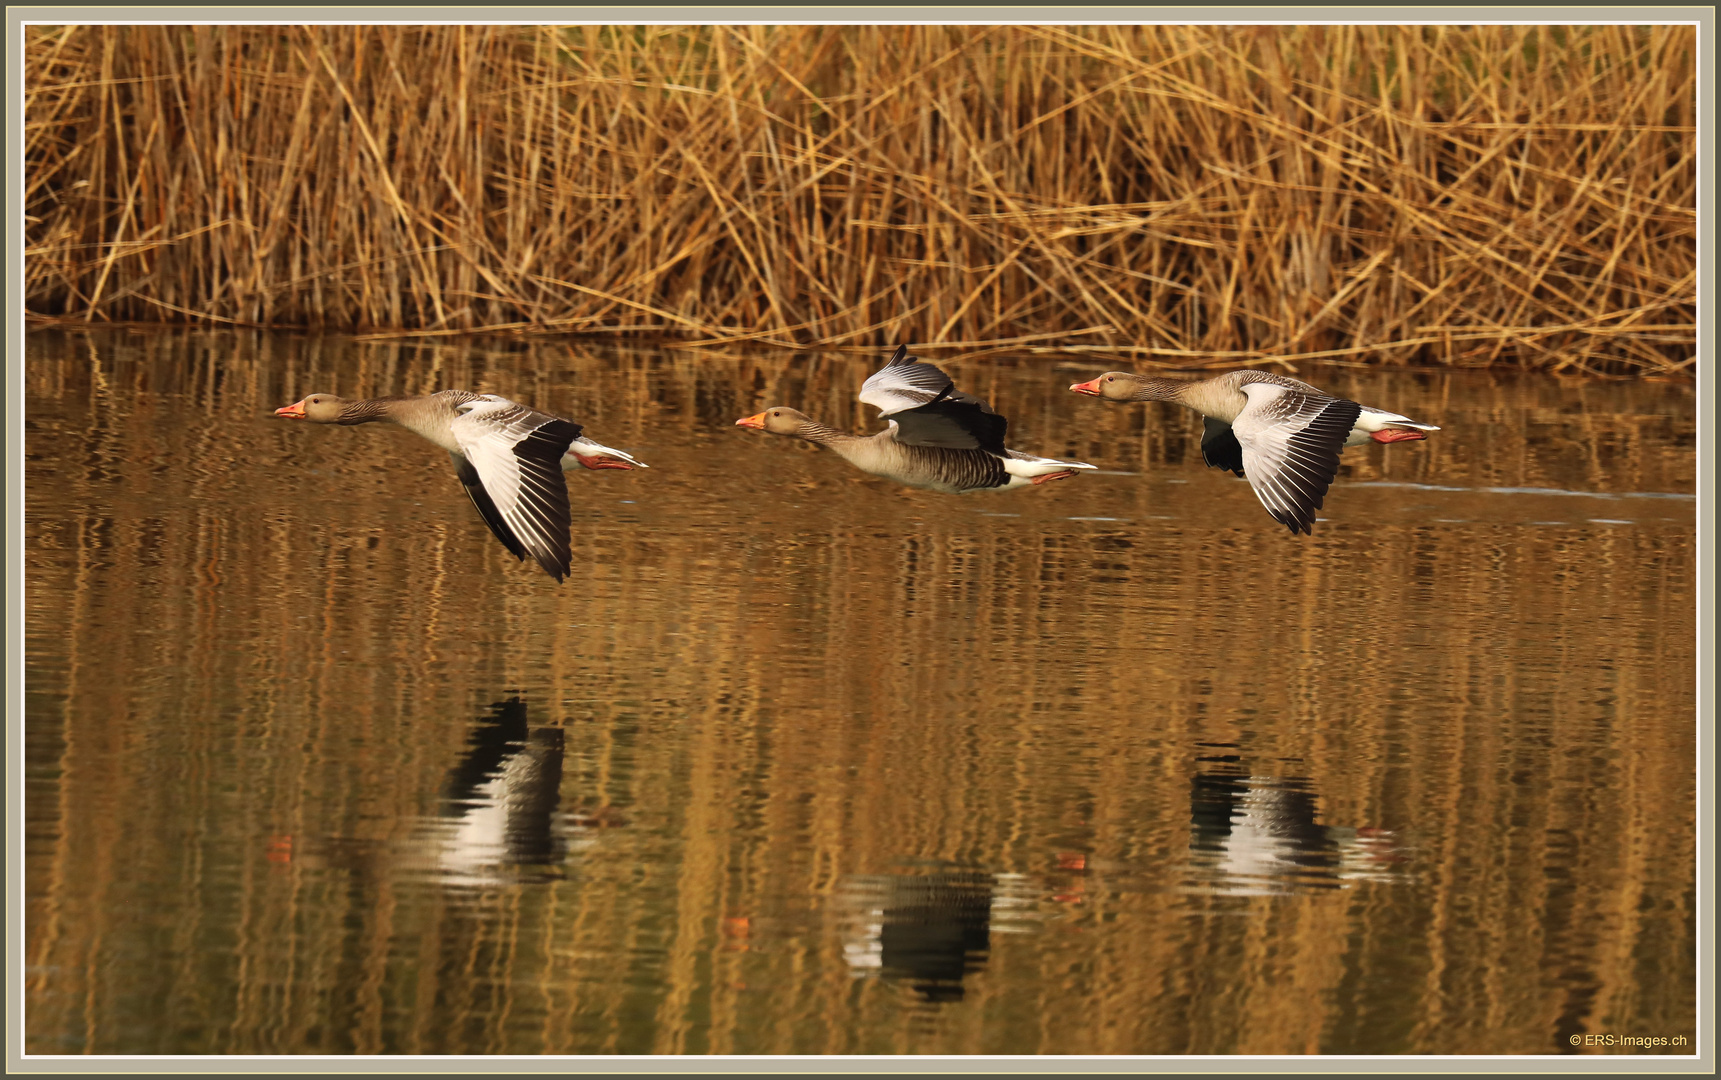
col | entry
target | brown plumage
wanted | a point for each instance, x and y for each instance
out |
(510, 459)
(939, 438)
(1281, 433)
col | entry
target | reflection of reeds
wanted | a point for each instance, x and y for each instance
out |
(1166, 194)
(221, 654)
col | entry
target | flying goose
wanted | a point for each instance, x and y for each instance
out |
(1283, 434)
(509, 457)
(939, 438)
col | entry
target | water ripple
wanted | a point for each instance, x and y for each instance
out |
(1526, 490)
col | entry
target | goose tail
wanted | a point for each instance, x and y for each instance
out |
(1028, 466)
(585, 453)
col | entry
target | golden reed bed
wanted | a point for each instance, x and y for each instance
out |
(1159, 195)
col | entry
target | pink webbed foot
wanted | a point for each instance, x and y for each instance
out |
(598, 461)
(1390, 435)
(1049, 477)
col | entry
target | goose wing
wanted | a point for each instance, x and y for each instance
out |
(926, 409)
(1290, 444)
(516, 454)
(1219, 446)
(485, 505)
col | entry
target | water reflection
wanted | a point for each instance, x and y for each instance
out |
(782, 676)
(498, 818)
(933, 930)
(1254, 835)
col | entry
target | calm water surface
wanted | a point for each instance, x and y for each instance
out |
(802, 762)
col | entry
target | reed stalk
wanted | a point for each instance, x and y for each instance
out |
(1176, 195)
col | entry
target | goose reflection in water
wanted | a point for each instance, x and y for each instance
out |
(1252, 834)
(930, 931)
(498, 820)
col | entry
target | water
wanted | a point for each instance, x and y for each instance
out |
(802, 762)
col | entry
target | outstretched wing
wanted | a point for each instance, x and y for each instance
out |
(1291, 442)
(904, 382)
(927, 409)
(516, 453)
(486, 507)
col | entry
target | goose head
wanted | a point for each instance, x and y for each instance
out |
(1113, 386)
(778, 421)
(317, 408)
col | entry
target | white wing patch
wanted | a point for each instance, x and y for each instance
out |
(517, 453)
(925, 408)
(1291, 442)
(1017, 463)
(906, 383)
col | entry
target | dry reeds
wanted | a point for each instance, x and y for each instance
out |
(1179, 195)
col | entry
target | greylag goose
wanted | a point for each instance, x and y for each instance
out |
(939, 438)
(509, 457)
(1282, 434)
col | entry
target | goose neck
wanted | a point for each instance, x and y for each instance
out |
(815, 432)
(363, 412)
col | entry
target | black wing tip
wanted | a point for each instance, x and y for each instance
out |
(1327, 432)
(1299, 519)
(556, 560)
(549, 518)
(551, 567)
(1295, 525)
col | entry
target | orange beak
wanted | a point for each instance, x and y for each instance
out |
(295, 411)
(756, 421)
(1091, 388)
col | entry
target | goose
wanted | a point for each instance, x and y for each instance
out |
(939, 438)
(1282, 434)
(509, 457)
